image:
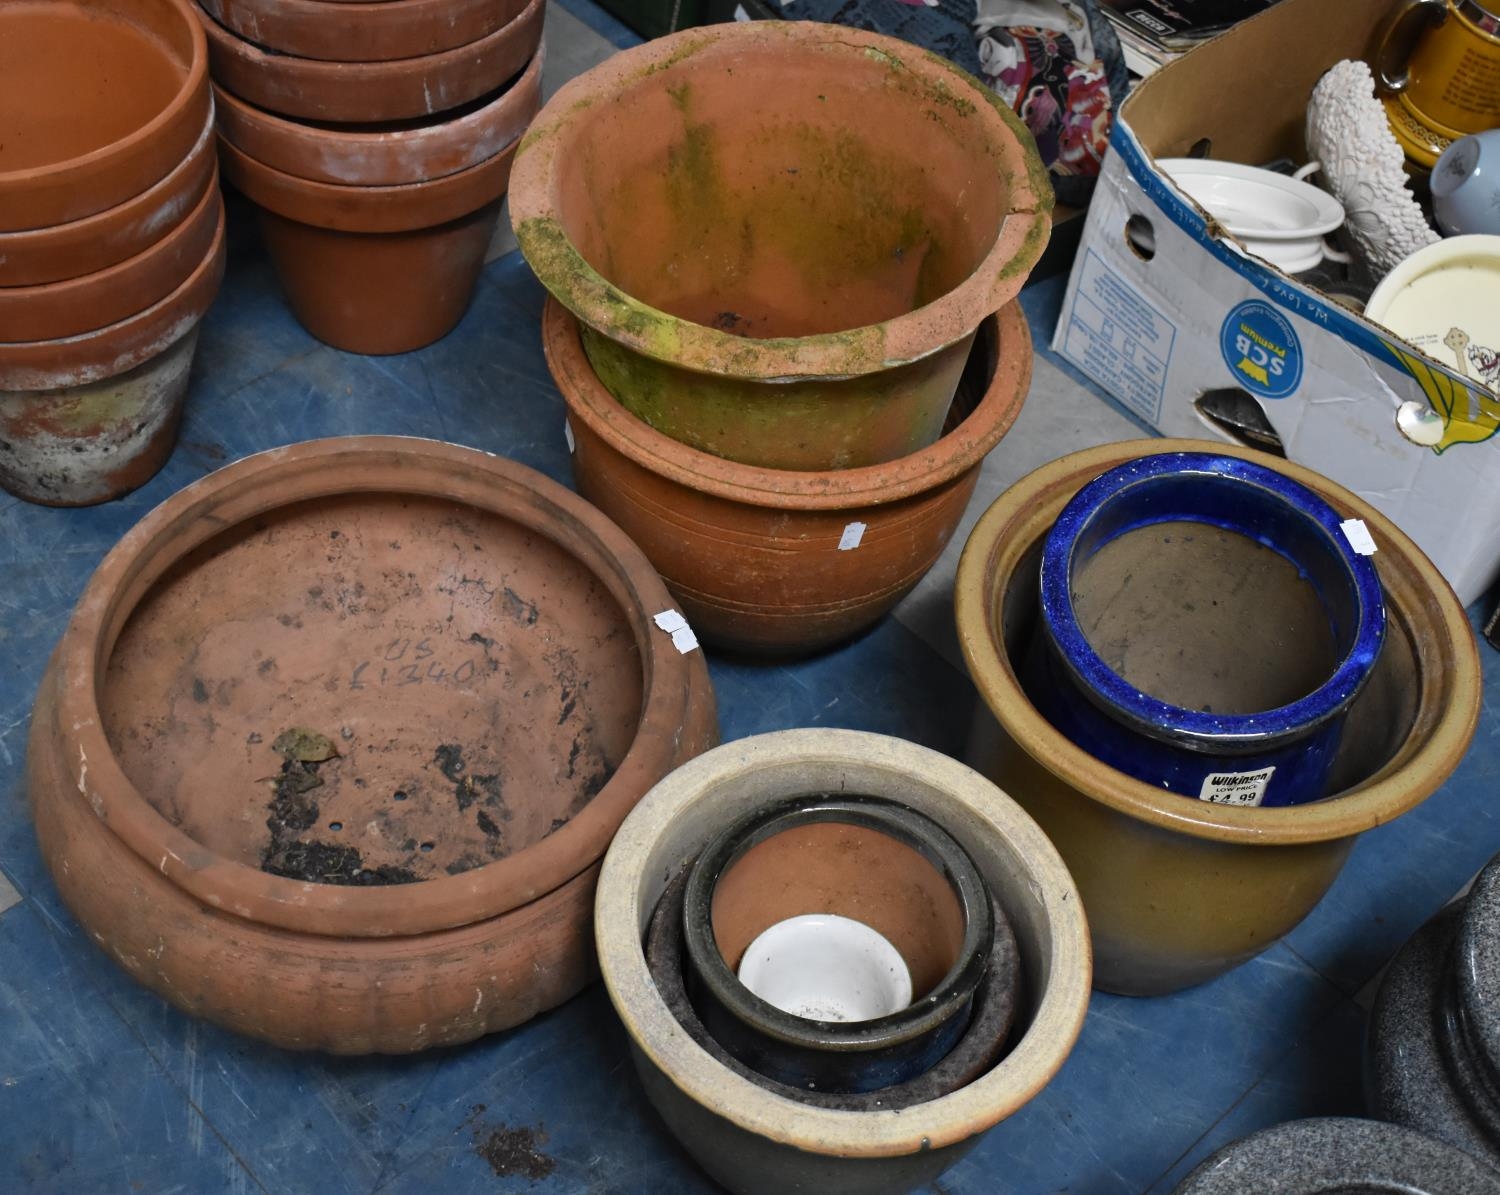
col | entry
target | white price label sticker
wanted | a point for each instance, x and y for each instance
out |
(1236, 788)
(676, 625)
(1359, 536)
(568, 436)
(854, 533)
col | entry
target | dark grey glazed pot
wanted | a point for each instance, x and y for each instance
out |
(1339, 1156)
(1432, 1052)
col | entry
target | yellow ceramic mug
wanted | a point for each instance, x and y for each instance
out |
(1449, 84)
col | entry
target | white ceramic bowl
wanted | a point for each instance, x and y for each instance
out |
(1278, 218)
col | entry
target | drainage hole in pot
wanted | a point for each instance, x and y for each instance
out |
(399, 795)
(426, 847)
(335, 826)
(1204, 618)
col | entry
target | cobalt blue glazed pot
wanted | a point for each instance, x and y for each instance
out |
(836, 943)
(1207, 624)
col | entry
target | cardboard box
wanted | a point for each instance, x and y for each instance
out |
(1158, 329)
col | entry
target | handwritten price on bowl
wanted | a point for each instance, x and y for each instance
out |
(403, 662)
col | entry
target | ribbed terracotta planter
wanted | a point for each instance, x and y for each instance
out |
(435, 670)
(98, 102)
(774, 561)
(1179, 890)
(406, 88)
(376, 156)
(93, 243)
(376, 269)
(753, 1139)
(781, 236)
(337, 31)
(84, 304)
(90, 418)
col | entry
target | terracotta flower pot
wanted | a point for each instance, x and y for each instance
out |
(1177, 889)
(311, 89)
(376, 269)
(337, 736)
(90, 418)
(376, 156)
(351, 32)
(84, 304)
(93, 243)
(781, 236)
(750, 1138)
(98, 102)
(755, 554)
(1331, 1154)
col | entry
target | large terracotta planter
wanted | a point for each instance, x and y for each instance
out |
(352, 32)
(781, 236)
(372, 156)
(98, 102)
(92, 243)
(1178, 889)
(89, 418)
(435, 670)
(311, 89)
(750, 1138)
(76, 306)
(376, 269)
(761, 558)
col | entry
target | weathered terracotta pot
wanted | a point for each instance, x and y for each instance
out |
(109, 351)
(85, 246)
(84, 304)
(376, 156)
(1177, 889)
(352, 32)
(98, 102)
(1326, 1155)
(376, 269)
(781, 236)
(311, 89)
(435, 670)
(750, 1138)
(754, 554)
(102, 420)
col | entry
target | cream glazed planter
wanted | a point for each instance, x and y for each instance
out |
(750, 1139)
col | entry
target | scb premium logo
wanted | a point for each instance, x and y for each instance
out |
(1261, 349)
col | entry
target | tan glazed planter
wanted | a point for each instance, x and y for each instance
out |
(337, 736)
(1180, 890)
(750, 1138)
(780, 237)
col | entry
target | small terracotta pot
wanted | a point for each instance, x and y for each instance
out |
(311, 89)
(352, 32)
(752, 1139)
(98, 102)
(1326, 1155)
(96, 242)
(1180, 890)
(357, 637)
(93, 301)
(110, 351)
(985, 1037)
(376, 269)
(372, 156)
(89, 418)
(754, 554)
(781, 236)
(876, 864)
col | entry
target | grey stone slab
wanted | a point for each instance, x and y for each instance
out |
(9, 897)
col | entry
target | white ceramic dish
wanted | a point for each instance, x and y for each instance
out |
(1445, 300)
(827, 968)
(1278, 218)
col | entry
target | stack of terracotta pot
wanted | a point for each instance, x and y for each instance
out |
(376, 140)
(111, 240)
(785, 248)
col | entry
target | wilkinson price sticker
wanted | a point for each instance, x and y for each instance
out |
(1236, 788)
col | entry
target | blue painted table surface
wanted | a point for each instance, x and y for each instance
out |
(103, 1087)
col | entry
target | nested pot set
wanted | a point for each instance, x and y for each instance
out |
(376, 744)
